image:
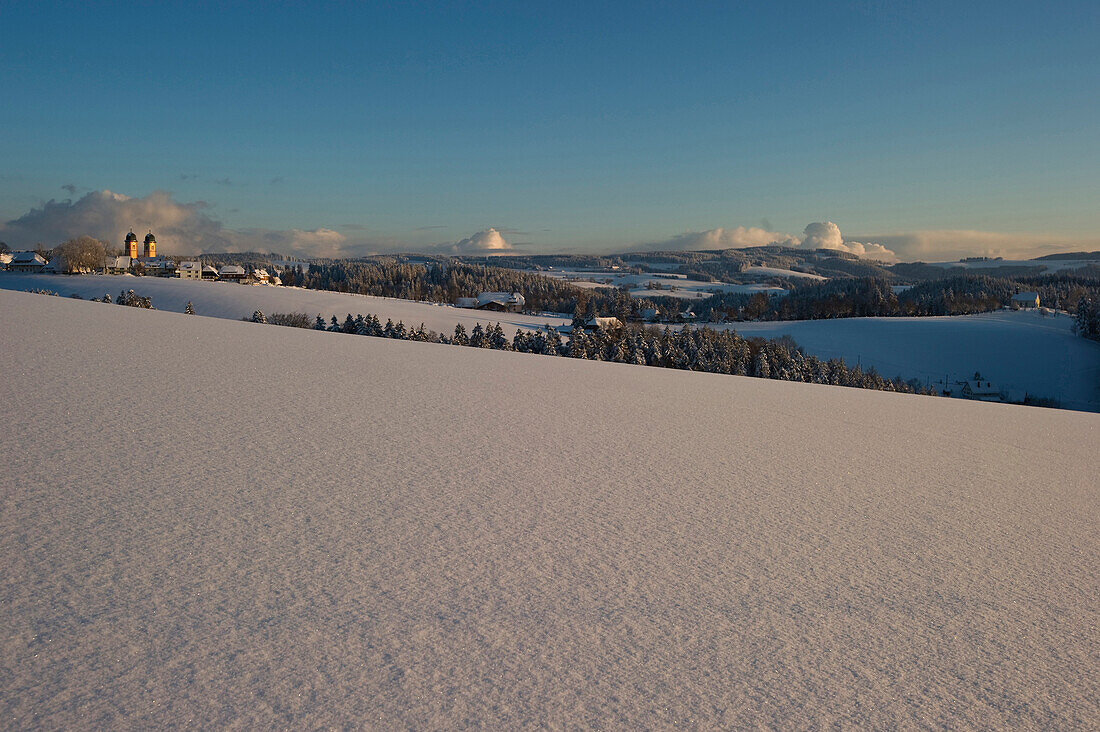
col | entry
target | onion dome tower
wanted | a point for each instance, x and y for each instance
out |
(131, 247)
(150, 245)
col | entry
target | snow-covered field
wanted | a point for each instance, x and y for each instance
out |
(1050, 266)
(215, 524)
(678, 287)
(1020, 350)
(231, 300)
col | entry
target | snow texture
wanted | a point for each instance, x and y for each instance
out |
(235, 301)
(217, 524)
(1025, 350)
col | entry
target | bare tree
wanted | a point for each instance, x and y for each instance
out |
(81, 254)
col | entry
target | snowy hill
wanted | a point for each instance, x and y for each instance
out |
(245, 526)
(1020, 350)
(231, 300)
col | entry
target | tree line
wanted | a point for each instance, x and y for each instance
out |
(690, 349)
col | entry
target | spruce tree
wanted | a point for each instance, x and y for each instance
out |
(189, 309)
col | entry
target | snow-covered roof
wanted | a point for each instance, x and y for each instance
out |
(503, 298)
(1026, 296)
(4, 257)
(260, 273)
(983, 387)
(191, 266)
(208, 268)
(231, 269)
(27, 258)
(604, 323)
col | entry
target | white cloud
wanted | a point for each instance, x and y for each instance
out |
(826, 235)
(735, 238)
(489, 241)
(181, 228)
(950, 245)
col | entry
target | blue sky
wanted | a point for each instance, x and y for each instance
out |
(567, 127)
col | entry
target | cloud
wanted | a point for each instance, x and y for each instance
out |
(489, 241)
(826, 235)
(181, 228)
(70, 188)
(952, 244)
(734, 238)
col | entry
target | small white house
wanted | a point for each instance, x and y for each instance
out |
(604, 324)
(190, 270)
(118, 265)
(500, 301)
(981, 390)
(465, 302)
(1026, 299)
(260, 276)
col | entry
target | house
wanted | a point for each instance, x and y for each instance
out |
(1026, 300)
(648, 314)
(231, 273)
(190, 270)
(5, 258)
(981, 390)
(687, 316)
(160, 266)
(607, 325)
(260, 276)
(465, 302)
(118, 265)
(209, 273)
(27, 262)
(500, 301)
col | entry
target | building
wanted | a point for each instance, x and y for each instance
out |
(131, 247)
(607, 325)
(159, 266)
(209, 273)
(27, 262)
(150, 245)
(500, 301)
(231, 273)
(980, 389)
(5, 259)
(1026, 300)
(119, 265)
(260, 276)
(190, 270)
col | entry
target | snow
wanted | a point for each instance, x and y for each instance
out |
(777, 272)
(1020, 350)
(685, 289)
(235, 301)
(407, 535)
(1050, 266)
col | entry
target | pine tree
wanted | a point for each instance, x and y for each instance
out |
(460, 338)
(189, 309)
(319, 324)
(259, 317)
(334, 325)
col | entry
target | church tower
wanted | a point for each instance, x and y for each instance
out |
(150, 245)
(131, 247)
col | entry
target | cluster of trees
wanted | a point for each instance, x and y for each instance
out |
(444, 280)
(690, 349)
(1087, 323)
(871, 296)
(83, 254)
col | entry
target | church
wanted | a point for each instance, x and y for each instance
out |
(131, 247)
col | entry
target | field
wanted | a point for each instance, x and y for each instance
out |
(216, 524)
(1023, 351)
(235, 301)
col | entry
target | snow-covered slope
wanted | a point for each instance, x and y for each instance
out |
(1021, 350)
(231, 300)
(216, 524)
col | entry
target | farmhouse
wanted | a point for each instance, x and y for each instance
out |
(190, 270)
(1026, 299)
(209, 273)
(119, 265)
(498, 301)
(26, 262)
(231, 273)
(981, 390)
(605, 324)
